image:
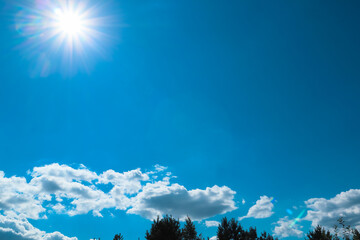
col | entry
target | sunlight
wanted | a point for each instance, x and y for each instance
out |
(63, 34)
(68, 22)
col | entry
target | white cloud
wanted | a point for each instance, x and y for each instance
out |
(16, 195)
(15, 228)
(213, 238)
(212, 223)
(64, 172)
(161, 198)
(128, 182)
(160, 168)
(243, 201)
(262, 208)
(286, 228)
(325, 212)
(61, 189)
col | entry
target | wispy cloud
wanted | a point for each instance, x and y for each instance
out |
(212, 223)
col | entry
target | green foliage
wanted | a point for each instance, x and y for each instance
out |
(167, 228)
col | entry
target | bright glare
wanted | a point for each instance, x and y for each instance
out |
(64, 33)
(69, 22)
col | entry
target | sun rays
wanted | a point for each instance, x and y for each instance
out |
(62, 33)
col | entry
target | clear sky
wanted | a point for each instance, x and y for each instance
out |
(246, 109)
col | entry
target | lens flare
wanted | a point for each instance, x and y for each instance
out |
(297, 219)
(67, 33)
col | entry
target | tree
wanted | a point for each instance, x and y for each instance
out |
(319, 233)
(356, 234)
(189, 231)
(252, 234)
(236, 230)
(118, 237)
(265, 236)
(230, 230)
(167, 228)
(224, 231)
(346, 229)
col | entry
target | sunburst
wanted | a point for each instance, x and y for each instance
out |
(68, 30)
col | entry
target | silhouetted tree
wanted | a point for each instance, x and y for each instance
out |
(118, 237)
(167, 228)
(346, 229)
(224, 231)
(230, 230)
(236, 230)
(319, 233)
(265, 236)
(356, 234)
(252, 234)
(189, 231)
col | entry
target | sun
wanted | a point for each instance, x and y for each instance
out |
(69, 22)
(65, 34)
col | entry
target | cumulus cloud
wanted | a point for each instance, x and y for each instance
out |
(286, 228)
(212, 223)
(161, 198)
(61, 189)
(15, 228)
(16, 195)
(127, 182)
(262, 208)
(78, 185)
(326, 211)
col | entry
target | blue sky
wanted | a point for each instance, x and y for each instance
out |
(253, 100)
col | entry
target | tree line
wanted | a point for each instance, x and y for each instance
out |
(340, 231)
(168, 228)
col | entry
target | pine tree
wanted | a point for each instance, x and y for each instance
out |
(252, 234)
(319, 233)
(356, 234)
(118, 237)
(168, 228)
(189, 231)
(236, 229)
(224, 231)
(265, 236)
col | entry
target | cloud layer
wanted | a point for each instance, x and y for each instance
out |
(147, 194)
